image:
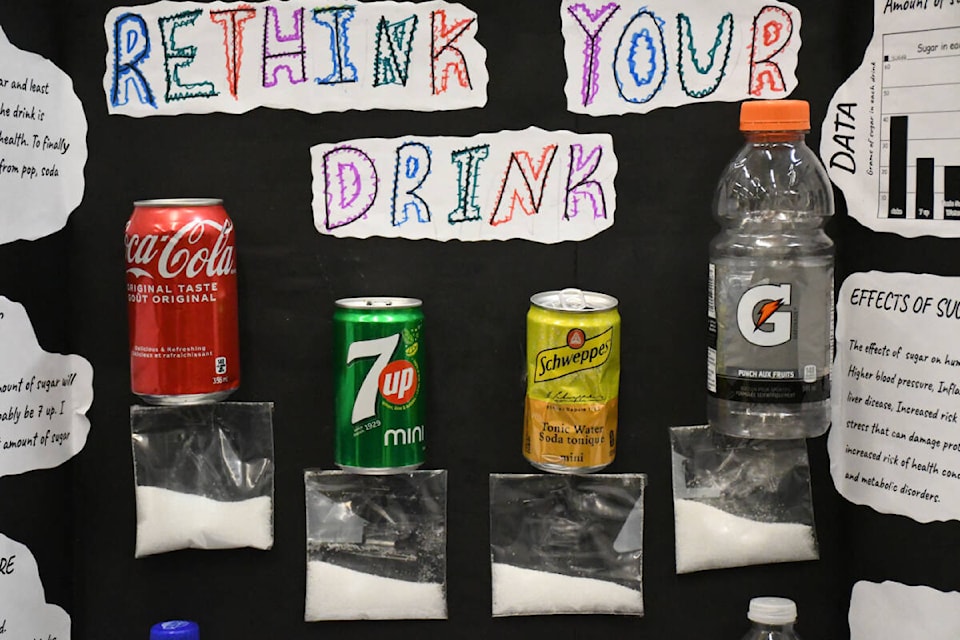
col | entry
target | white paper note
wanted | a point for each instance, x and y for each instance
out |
(546, 186)
(43, 145)
(44, 398)
(895, 440)
(892, 611)
(891, 137)
(633, 57)
(168, 57)
(24, 612)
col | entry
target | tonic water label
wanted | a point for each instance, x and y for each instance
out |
(770, 332)
(573, 373)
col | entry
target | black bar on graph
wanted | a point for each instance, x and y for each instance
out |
(924, 188)
(951, 193)
(898, 168)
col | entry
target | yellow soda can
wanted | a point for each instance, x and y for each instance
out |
(573, 381)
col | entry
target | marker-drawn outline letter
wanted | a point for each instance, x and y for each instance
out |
(468, 179)
(344, 71)
(590, 82)
(177, 90)
(357, 185)
(645, 47)
(522, 194)
(126, 62)
(724, 33)
(412, 167)
(233, 26)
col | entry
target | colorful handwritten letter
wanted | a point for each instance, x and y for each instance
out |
(545, 186)
(189, 57)
(624, 57)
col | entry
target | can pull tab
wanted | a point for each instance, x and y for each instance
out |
(572, 299)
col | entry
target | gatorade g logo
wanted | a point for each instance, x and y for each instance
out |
(398, 382)
(760, 318)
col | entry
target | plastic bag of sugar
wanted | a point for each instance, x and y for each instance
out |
(740, 502)
(204, 476)
(376, 546)
(566, 544)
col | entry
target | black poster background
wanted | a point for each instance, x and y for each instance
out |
(79, 519)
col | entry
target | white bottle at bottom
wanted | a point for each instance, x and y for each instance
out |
(772, 618)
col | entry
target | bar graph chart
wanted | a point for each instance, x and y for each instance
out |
(920, 125)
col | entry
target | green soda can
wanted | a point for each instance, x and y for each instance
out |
(378, 366)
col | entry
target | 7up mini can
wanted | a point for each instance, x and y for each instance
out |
(573, 381)
(378, 367)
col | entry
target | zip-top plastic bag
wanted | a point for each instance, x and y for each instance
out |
(376, 545)
(740, 501)
(566, 543)
(203, 476)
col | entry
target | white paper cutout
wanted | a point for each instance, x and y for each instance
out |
(43, 398)
(43, 145)
(168, 57)
(631, 57)
(546, 186)
(24, 612)
(895, 440)
(891, 137)
(893, 611)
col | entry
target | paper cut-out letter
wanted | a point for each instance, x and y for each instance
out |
(343, 69)
(582, 192)
(640, 61)
(703, 80)
(176, 59)
(394, 44)
(412, 168)
(772, 30)
(468, 176)
(131, 46)
(444, 57)
(351, 179)
(294, 60)
(232, 22)
(526, 189)
(592, 23)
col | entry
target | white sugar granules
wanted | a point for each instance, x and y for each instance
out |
(169, 520)
(709, 538)
(338, 593)
(518, 591)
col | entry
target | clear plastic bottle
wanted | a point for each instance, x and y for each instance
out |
(770, 308)
(175, 630)
(772, 618)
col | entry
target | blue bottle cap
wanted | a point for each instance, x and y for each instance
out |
(175, 630)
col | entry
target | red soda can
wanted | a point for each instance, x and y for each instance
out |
(182, 301)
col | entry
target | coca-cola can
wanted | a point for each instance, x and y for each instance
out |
(182, 301)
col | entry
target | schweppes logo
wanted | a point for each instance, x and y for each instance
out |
(578, 354)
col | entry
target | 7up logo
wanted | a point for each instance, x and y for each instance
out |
(396, 381)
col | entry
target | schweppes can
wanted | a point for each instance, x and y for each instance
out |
(573, 381)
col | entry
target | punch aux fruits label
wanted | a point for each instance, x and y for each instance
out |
(573, 380)
(378, 375)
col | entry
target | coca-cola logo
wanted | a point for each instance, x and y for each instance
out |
(185, 252)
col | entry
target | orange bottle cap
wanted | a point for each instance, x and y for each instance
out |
(775, 115)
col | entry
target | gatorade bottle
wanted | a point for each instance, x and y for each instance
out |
(773, 619)
(770, 303)
(175, 630)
